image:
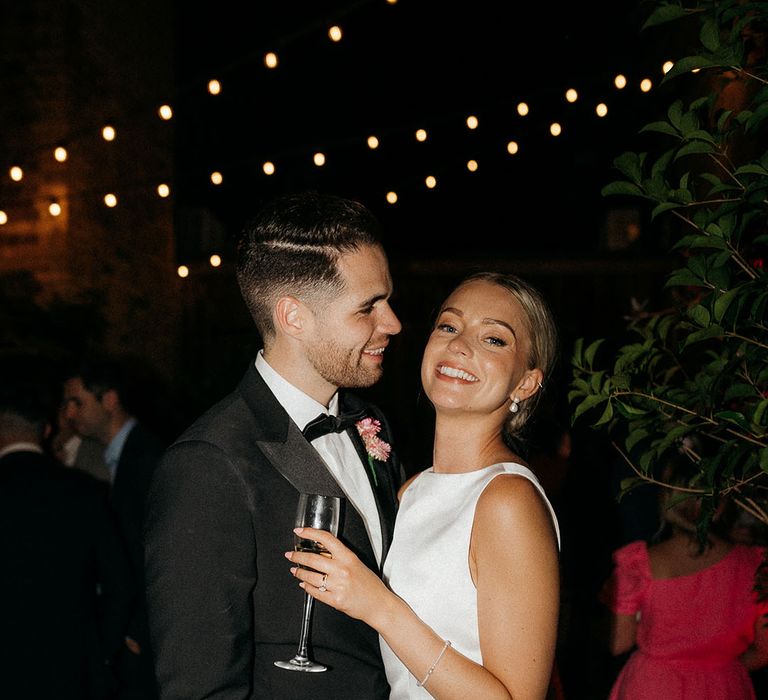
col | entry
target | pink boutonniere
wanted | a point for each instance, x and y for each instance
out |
(369, 428)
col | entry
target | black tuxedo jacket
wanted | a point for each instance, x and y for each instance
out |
(223, 605)
(139, 458)
(58, 543)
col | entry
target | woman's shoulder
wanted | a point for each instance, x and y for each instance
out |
(513, 498)
(632, 555)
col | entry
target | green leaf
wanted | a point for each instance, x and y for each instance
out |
(622, 188)
(663, 14)
(700, 314)
(606, 417)
(760, 412)
(764, 459)
(703, 334)
(660, 128)
(664, 206)
(695, 148)
(687, 64)
(710, 35)
(630, 165)
(587, 404)
(734, 417)
(589, 353)
(635, 437)
(723, 302)
(684, 278)
(751, 169)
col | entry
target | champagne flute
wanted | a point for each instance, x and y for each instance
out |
(321, 513)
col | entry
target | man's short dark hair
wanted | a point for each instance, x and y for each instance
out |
(29, 389)
(293, 245)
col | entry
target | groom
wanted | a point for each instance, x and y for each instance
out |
(223, 605)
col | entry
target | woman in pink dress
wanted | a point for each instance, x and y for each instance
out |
(690, 610)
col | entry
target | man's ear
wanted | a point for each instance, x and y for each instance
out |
(290, 316)
(110, 400)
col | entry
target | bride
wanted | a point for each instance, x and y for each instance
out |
(470, 608)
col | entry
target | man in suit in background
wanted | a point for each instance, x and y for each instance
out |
(96, 401)
(66, 589)
(223, 605)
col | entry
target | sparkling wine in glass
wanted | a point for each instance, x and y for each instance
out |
(321, 513)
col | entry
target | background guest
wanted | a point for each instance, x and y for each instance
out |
(98, 403)
(65, 583)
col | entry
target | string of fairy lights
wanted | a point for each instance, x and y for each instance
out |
(60, 152)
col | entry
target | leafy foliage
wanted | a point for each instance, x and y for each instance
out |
(693, 377)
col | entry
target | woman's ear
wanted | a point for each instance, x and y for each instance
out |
(529, 384)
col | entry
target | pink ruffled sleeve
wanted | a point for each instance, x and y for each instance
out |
(624, 591)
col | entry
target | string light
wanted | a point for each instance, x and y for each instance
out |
(3, 218)
(182, 271)
(335, 34)
(54, 209)
(215, 260)
(430, 182)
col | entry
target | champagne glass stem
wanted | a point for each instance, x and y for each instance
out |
(304, 636)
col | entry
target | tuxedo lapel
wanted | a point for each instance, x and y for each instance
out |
(281, 441)
(288, 451)
(300, 464)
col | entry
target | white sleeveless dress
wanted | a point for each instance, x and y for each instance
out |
(428, 562)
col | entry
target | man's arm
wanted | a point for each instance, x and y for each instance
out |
(200, 570)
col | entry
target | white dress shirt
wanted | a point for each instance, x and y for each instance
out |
(336, 449)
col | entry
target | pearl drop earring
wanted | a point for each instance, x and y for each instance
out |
(515, 405)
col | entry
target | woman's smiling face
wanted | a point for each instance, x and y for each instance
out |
(477, 353)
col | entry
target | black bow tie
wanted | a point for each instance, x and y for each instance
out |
(324, 424)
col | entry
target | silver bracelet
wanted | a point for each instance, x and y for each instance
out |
(432, 667)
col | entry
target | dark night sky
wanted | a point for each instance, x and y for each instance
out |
(415, 64)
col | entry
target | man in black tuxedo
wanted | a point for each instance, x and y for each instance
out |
(95, 400)
(66, 589)
(223, 605)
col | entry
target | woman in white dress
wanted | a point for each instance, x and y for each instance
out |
(470, 609)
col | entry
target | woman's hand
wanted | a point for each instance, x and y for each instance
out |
(341, 580)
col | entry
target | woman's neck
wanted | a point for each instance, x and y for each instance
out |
(464, 444)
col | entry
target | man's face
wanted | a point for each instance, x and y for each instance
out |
(85, 411)
(351, 333)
